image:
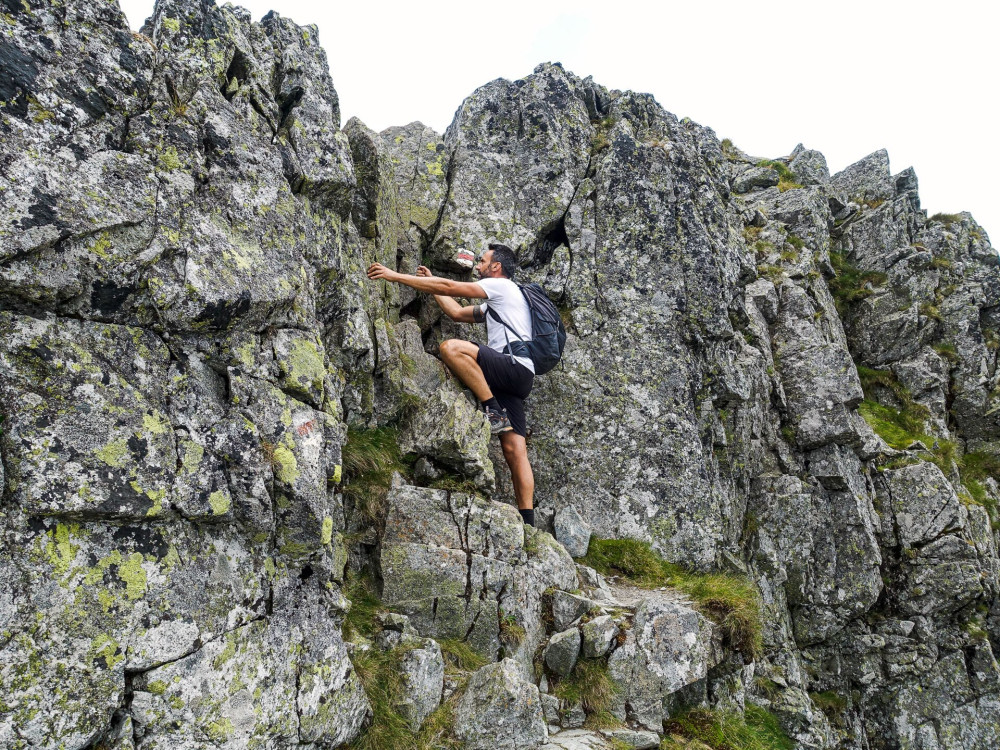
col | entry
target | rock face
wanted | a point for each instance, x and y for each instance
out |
(770, 370)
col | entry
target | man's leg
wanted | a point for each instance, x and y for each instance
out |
(515, 451)
(460, 357)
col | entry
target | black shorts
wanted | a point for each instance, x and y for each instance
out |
(510, 382)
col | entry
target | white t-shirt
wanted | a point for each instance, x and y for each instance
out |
(505, 297)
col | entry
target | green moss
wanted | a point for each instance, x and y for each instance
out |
(731, 601)
(193, 453)
(757, 729)
(171, 24)
(831, 703)
(227, 653)
(155, 424)
(157, 687)
(107, 648)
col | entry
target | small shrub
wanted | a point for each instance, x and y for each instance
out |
(751, 233)
(941, 263)
(600, 142)
(730, 601)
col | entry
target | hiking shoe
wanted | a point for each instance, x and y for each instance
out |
(499, 422)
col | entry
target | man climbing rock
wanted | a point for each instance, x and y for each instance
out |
(500, 381)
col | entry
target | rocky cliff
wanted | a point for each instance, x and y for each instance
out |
(240, 492)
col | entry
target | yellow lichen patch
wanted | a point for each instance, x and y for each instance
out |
(155, 423)
(114, 454)
(338, 473)
(134, 576)
(157, 687)
(219, 501)
(156, 496)
(286, 468)
(220, 730)
(227, 653)
(326, 533)
(172, 560)
(107, 648)
(102, 246)
(305, 365)
(171, 24)
(60, 550)
(193, 453)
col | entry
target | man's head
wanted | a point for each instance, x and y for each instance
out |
(497, 261)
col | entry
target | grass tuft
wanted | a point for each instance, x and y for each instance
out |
(851, 284)
(757, 729)
(459, 656)
(591, 686)
(369, 459)
(730, 601)
(946, 219)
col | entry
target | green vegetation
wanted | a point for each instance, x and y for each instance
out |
(381, 676)
(590, 685)
(459, 656)
(511, 632)
(930, 311)
(757, 729)
(729, 149)
(831, 703)
(786, 178)
(947, 351)
(946, 219)
(730, 601)
(795, 241)
(911, 415)
(369, 458)
(767, 271)
(851, 284)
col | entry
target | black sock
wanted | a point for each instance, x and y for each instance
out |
(528, 516)
(492, 403)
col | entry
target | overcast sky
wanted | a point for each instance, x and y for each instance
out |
(846, 78)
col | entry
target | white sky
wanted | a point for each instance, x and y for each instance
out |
(846, 77)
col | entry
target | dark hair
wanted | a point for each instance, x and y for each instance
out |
(505, 257)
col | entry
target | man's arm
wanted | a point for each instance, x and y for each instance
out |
(432, 284)
(449, 305)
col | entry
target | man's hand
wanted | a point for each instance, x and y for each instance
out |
(424, 271)
(378, 271)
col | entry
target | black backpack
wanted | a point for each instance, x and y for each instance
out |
(548, 334)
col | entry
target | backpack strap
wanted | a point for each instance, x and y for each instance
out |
(523, 348)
